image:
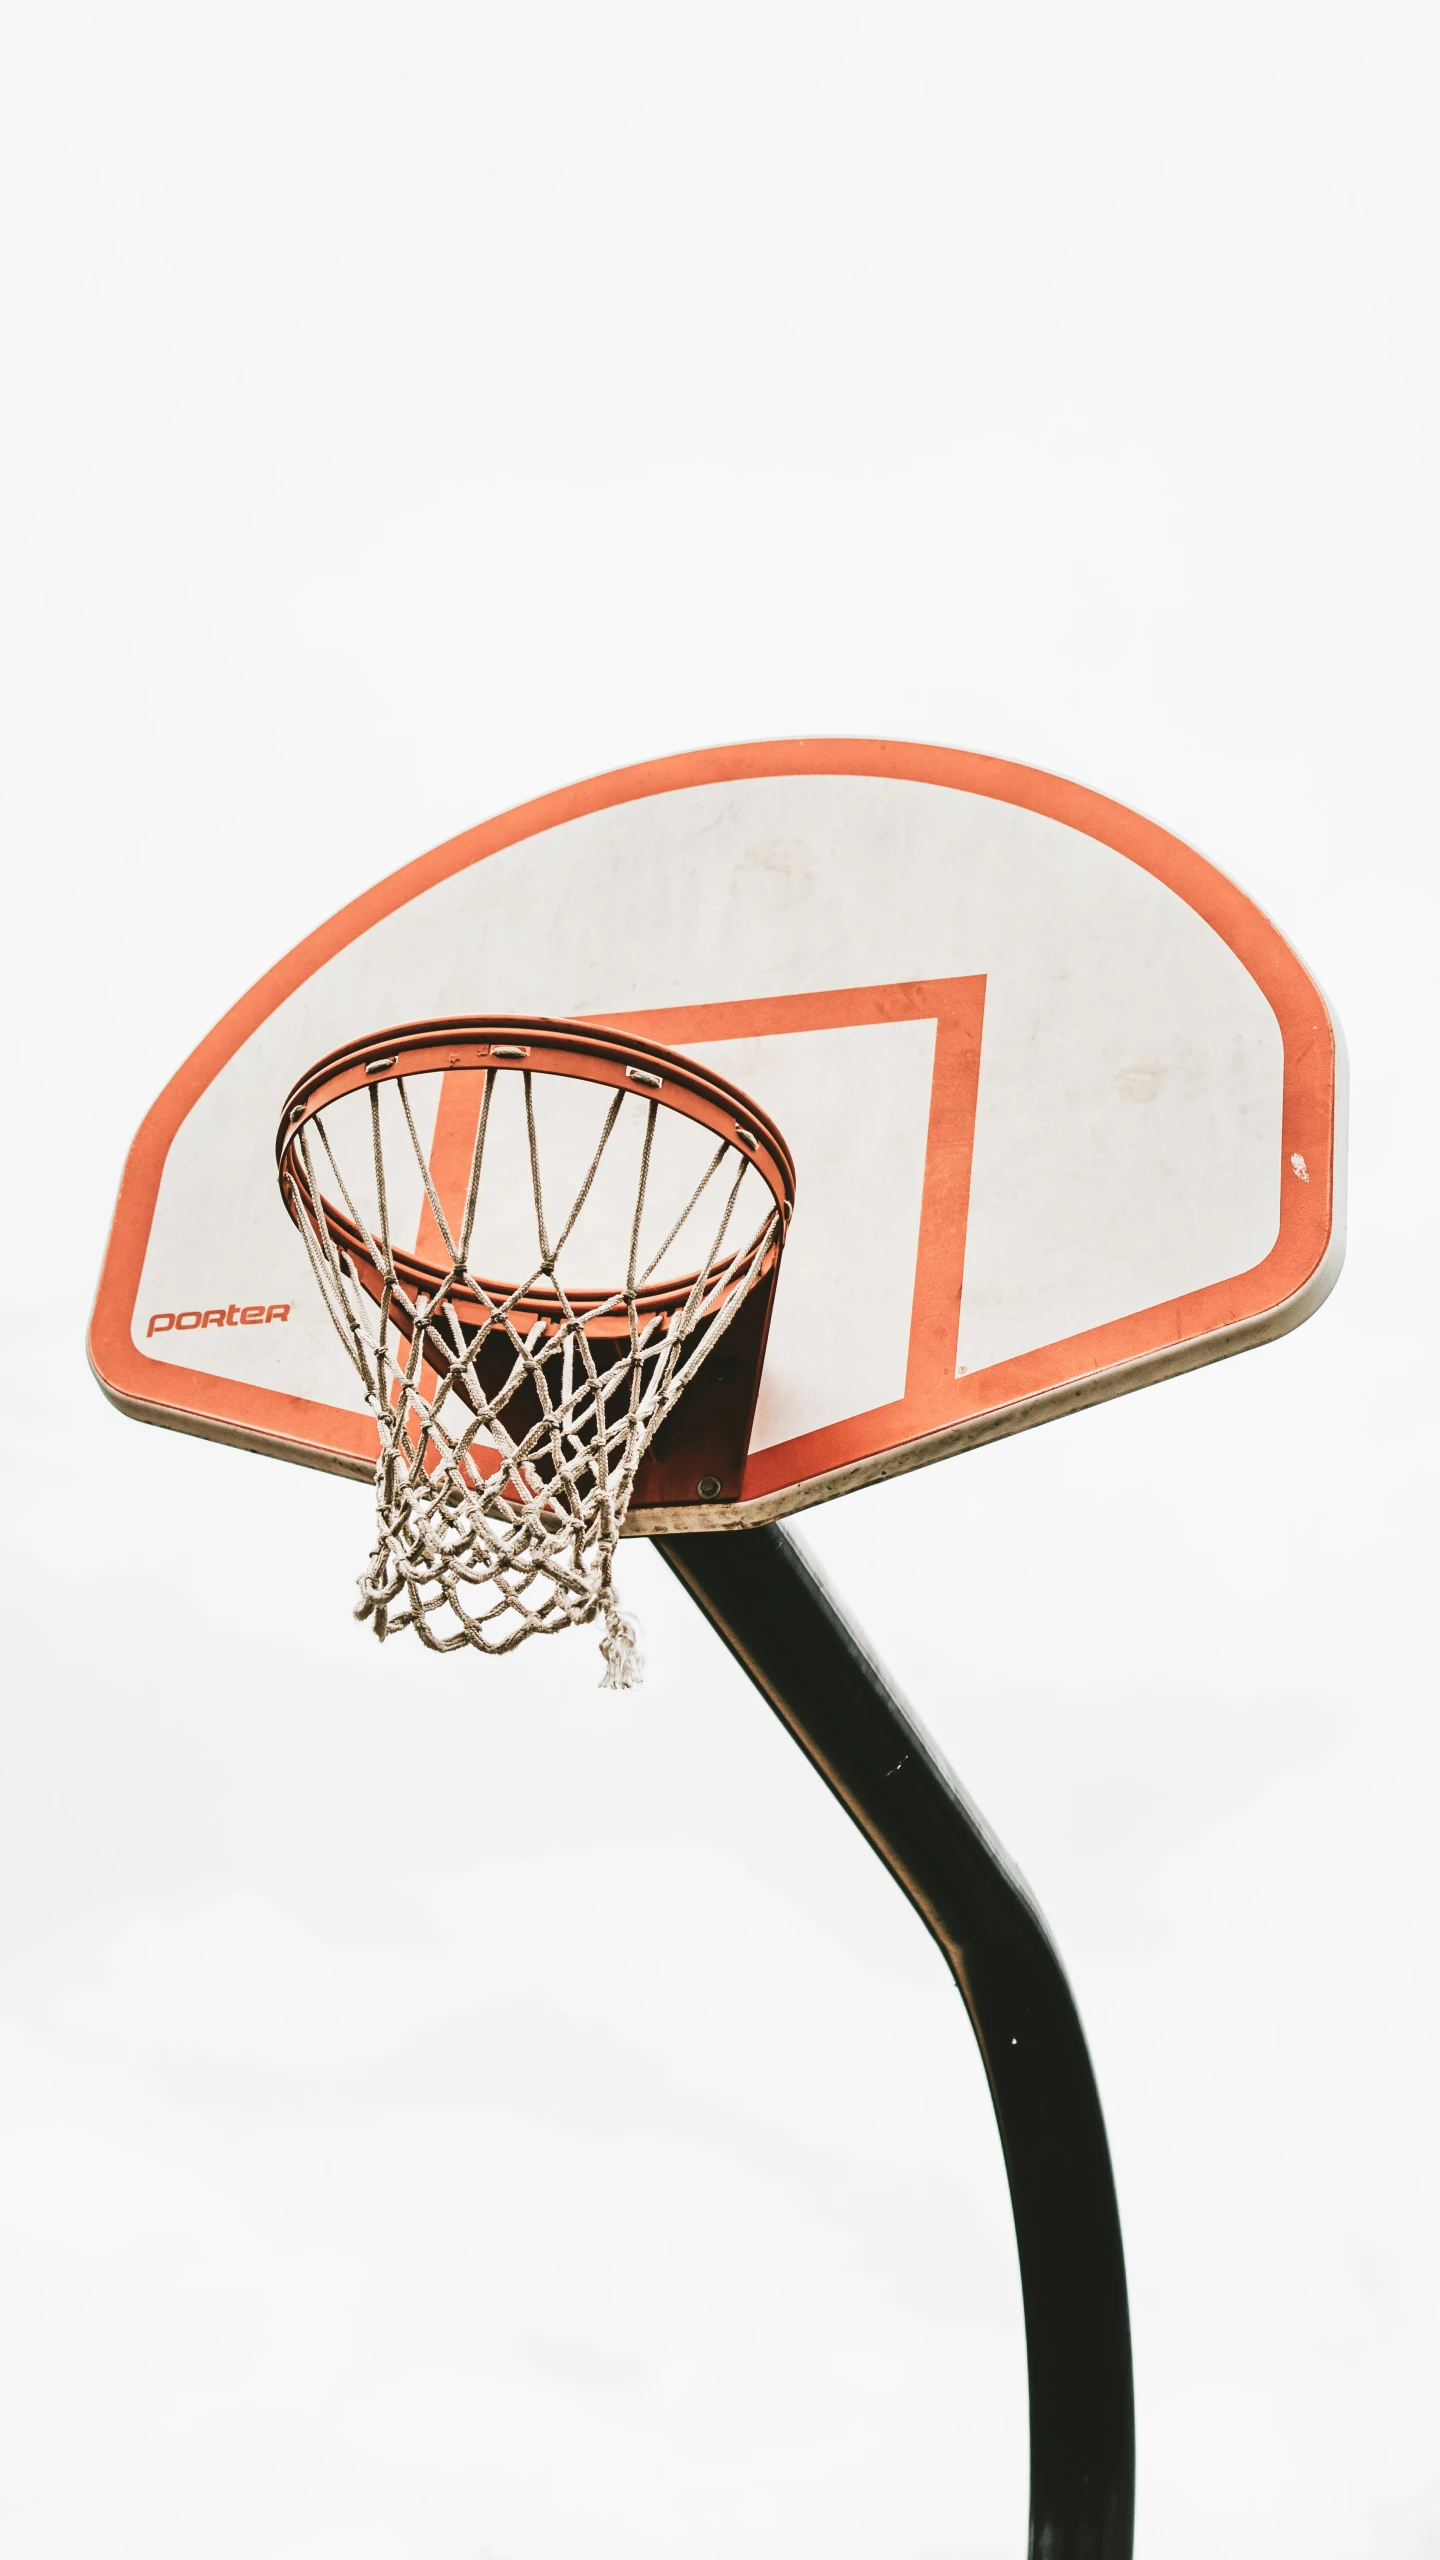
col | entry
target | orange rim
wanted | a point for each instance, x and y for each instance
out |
(518, 1044)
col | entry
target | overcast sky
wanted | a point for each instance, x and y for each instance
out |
(447, 2113)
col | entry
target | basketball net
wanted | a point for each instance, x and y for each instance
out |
(512, 1419)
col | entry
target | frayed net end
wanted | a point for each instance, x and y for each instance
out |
(620, 1645)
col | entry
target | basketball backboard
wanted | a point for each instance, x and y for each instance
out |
(1064, 1107)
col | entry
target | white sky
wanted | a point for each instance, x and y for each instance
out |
(445, 2111)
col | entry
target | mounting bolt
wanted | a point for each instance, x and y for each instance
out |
(708, 1487)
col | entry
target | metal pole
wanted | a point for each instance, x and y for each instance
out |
(765, 1598)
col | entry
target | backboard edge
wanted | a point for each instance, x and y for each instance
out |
(204, 1426)
(979, 1430)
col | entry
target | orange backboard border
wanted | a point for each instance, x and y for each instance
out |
(939, 1412)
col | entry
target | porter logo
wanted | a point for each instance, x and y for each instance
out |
(195, 1319)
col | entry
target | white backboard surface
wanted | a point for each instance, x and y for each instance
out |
(1063, 1104)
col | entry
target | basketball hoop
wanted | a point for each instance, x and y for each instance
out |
(515, 1415)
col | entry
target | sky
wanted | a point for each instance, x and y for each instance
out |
(446, 2110)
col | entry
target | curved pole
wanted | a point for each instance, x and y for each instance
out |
(764, 1596)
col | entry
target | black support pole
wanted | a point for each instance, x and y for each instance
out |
(766, 1599)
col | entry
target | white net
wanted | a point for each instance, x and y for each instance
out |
(513, 1417)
